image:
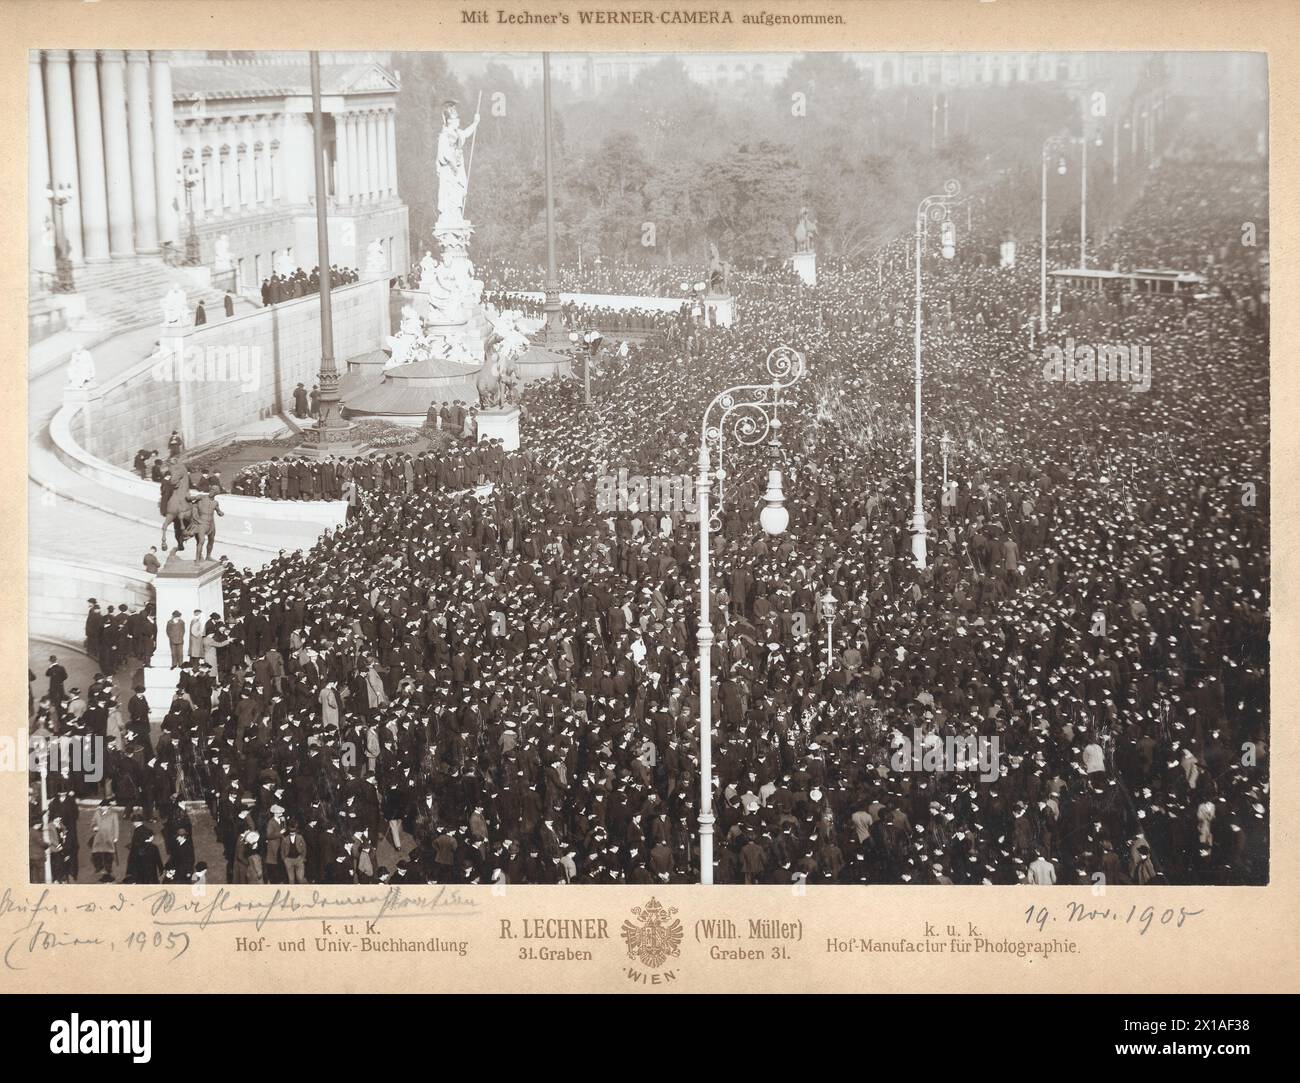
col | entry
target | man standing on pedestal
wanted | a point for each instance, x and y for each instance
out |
(196, 637)
(176, 637)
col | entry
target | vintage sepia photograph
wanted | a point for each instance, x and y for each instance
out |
(647, 468)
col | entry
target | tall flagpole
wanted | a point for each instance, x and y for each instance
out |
(554, 335)
(330, 427)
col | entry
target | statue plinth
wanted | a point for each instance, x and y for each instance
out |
(333, 436)
(805, 266)
(453, 239)
(499, 423)
(720, 310)
(181, 585)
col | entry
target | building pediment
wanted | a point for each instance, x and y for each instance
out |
(367, 79)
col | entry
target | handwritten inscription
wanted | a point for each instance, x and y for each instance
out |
(169, 918)
(1140, 918)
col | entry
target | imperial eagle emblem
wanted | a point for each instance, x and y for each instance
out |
(656, 938)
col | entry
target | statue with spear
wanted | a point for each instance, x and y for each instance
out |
(453, 176)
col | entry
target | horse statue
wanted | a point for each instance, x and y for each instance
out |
(488, 379)
(175, 510)
(508, 342)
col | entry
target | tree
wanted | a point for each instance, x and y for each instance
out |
(425, 84)
(753, 201)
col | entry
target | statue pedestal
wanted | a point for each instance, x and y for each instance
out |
(805, 266)
(720, 311)
(500, 423)
(324, 441)
(181, 585)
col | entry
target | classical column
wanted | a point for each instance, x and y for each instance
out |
(293, 160)
(372, 155)
(40, 211)
(90, 156)
(244, 162)
(226, 167)
(248, 132)
(268, 180)
(363, 156)
(261, 196)
(209, 164)
(340, 160)
(354, 157)
(117, 154)
(164, 145)
(63, 144)
(141, 138)
(343, 167)
(391, 124)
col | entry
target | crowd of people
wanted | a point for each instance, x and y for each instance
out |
(359, 478)
(580, 318)
(301, 283)
(487, 675)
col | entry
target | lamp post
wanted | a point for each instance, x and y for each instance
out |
(945, 445)
(591, 341)
(829, 607)
(939, 208)
(751, 412)
(331, 427)
(553, 333)
(1083, 194)
(42, 750)
(63, 282)
(189, 177)
(1049, 148)
(1083, 185)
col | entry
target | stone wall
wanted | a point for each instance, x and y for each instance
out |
(216, 378)
(57, 591)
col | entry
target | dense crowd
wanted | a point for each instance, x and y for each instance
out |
(301, 283)
(473, 685)
(640, 279)
(580, 318)
(360, 478)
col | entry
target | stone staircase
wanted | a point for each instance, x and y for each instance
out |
(125, 295)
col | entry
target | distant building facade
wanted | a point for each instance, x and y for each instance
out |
(149, 146)
(588, 74)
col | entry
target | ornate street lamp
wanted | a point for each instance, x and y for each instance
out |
(750, 413)
(63, 282)
(189, 177)
(829, 607)
(937, 208)
(591, 341)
